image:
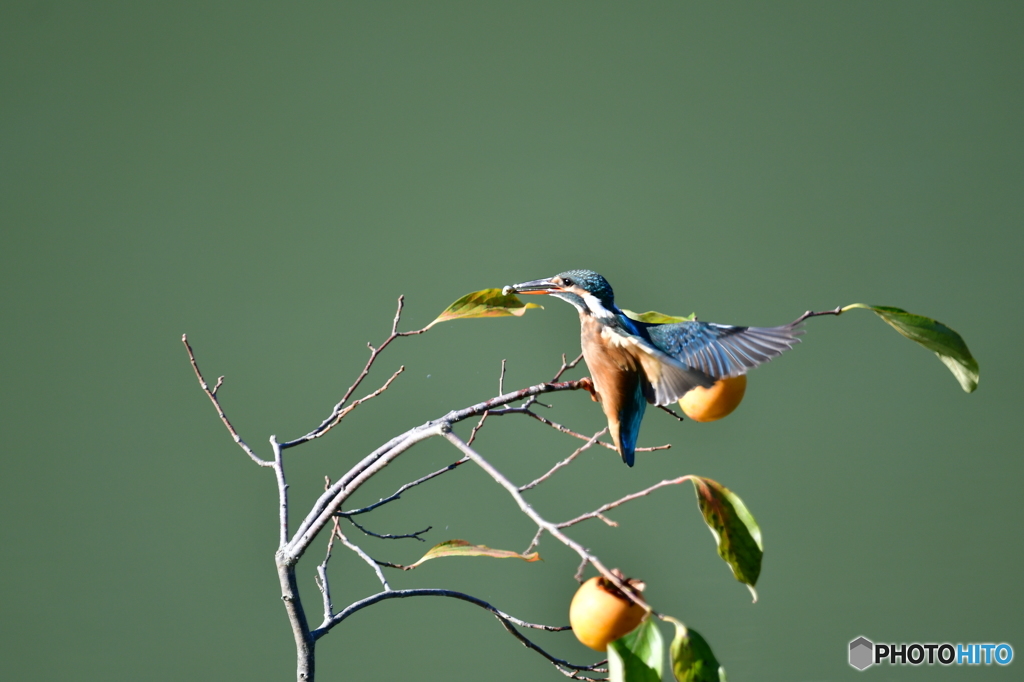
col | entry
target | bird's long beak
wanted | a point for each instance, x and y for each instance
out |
(537, 286)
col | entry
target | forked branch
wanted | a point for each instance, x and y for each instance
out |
(211, 393)
(327, 508)
(340, 410)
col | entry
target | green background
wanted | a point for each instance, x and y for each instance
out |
(269, 179)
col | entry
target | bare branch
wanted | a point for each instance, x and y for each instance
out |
(322, 582)
(398, 493)
(479, 425)
(365, 557)
(558, 427)
(330, 501)
(343, 412)
(838, 310)
(598, 513)
(566, 367)
(535, 541)
(336, 414)
(324, 587)
(212, 395)
(670, 411)
(507, 621)
(552, 529)
(304, 641)
(282, 493)
(579, 572)
(567, 460)
(327, 504)
(388, 536)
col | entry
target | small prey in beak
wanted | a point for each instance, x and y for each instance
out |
(537, 286)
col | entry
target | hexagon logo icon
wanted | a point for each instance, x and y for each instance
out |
(861, 650)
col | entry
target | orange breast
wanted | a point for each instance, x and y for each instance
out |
(614, 370)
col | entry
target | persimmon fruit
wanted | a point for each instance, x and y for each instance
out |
(600, 613)
(709, 404)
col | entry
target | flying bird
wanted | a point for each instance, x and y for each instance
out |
(633, 363)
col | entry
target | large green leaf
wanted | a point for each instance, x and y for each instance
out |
(638, 656)
(464, 548)
(484, 303)
(933, 335)
(654, 317)
(734, 528)
(692, 658)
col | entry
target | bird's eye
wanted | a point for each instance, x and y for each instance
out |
(566, 282)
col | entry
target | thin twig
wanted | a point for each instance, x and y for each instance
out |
(838, 310)
(532, 400)
(558, 427)
(327, 505)
(501, 378)
(212, 395)
(567, 460)
(535, 541)
(552, 529)
(343, 412)
(365, 557)
(670, 411)
(388, 536)
(330, 501)
(390, 564)
(565, 367)
(479, 425)
(398, 493)
(507, 621)
(335, 416)
(597, 513)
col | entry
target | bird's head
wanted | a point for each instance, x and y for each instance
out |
(588, 291)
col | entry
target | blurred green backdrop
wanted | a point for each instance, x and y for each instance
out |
(269, 178)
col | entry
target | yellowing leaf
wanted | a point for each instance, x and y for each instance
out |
(484, 303)
(464, 548)
(653, 317)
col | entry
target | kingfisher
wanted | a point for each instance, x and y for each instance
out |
(633, 363)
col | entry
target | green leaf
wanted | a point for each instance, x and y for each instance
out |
(936, 337)
(484, 303)
(692, 658)
(647, 643)
(653, 317)
(464, 548)
(734, 528)
(638, 656)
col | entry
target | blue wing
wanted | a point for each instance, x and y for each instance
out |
(721, 350)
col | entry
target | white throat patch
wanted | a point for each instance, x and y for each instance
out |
(597, 308)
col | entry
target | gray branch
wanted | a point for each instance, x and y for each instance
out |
(507, 621)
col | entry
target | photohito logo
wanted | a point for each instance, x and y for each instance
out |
(865, 653)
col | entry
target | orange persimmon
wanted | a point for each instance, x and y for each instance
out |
(708, 404)
(600, 613)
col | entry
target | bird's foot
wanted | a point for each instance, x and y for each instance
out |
(586, 383)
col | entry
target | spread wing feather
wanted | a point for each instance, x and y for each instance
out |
(721, 350)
